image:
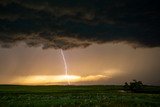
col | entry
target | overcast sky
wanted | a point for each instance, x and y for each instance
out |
(104, 41)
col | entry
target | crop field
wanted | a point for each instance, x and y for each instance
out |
(77, 96)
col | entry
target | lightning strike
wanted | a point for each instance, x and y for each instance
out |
(65, 67)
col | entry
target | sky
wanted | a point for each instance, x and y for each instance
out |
(103, 41)
(97, 64)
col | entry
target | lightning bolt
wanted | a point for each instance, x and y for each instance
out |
(65, 66)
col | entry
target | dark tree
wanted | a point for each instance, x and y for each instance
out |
(135, 86)
(126, 86)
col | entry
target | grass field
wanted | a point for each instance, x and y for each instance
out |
(77, 96)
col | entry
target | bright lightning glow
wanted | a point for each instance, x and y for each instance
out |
(54, 79)
(65, 66)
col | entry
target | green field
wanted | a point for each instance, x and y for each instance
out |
(77, 96)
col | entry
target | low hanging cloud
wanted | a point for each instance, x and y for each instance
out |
(70, 23)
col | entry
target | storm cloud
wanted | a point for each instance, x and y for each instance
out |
(79, 23)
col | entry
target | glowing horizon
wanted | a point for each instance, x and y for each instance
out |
(53, 79)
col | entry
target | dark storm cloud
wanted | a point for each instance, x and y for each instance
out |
(79, 23)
